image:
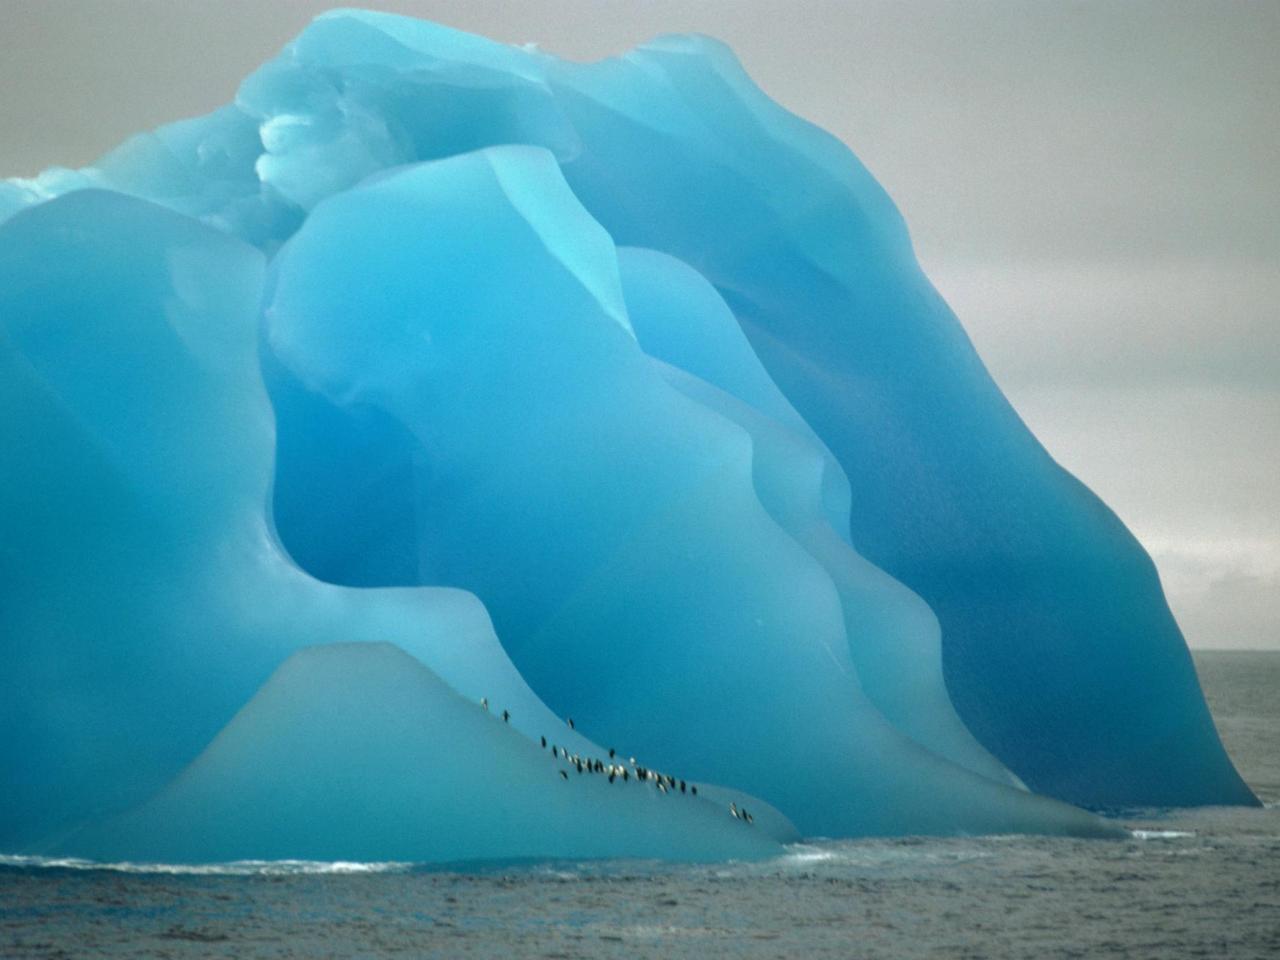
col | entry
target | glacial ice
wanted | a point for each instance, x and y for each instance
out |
(433, 370)
(343, 730)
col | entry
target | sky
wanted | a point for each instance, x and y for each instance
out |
(1094, 188)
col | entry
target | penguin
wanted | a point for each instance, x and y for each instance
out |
(611, 753)
(571, 726)
(625, 775)
(484, 702)
(506, 716)
(733, 809)
(564, 774)
(750, 818)
(611, 776)
(544, 742)
(682, 786)
(694, 789)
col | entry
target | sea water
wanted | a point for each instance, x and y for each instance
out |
(1188, 883)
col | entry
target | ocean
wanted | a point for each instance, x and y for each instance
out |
(1188, 883)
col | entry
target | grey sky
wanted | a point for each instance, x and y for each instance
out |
(1094, 187)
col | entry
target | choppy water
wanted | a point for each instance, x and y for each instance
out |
(1203, 883)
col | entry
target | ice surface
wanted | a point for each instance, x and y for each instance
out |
(425, 336)
(358, 751)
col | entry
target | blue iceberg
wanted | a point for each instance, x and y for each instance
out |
(436, 391)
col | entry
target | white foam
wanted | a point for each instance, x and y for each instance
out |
(231, 868)
(799, 854)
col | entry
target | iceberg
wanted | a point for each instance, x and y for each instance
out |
(363, 431)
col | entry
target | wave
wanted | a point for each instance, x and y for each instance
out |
(234, 868)
(1160, 834)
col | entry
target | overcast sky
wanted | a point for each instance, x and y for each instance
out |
(1094, 187)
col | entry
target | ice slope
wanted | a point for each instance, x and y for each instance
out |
(359, 752)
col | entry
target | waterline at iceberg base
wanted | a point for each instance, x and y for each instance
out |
(436, 391)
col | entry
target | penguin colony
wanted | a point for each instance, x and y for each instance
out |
(626, 772)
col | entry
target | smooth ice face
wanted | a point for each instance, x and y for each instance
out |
(621, 357)
(359, 752)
